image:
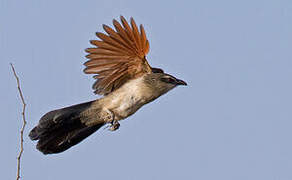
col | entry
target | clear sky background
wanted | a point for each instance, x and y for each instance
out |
(233, 121)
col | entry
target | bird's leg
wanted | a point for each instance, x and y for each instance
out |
(114, 123)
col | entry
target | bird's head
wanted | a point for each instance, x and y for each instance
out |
(162, 82)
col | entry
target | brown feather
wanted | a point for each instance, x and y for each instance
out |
(116, 36)
(128, 29)
(116, 45)
(102, 56)
(143, 39)
(122, 33)
(136, 37)
(147, 47)
(103, 61)
(105, 45)
(102, 51)
(114, 77)
(118, 56)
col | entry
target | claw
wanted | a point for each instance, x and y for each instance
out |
(114, 126)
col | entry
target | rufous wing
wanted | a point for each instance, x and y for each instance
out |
(119, 55)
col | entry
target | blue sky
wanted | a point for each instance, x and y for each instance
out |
(233, 121)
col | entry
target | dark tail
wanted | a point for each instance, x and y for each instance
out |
(61, 129)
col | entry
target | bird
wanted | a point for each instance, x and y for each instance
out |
(124, 80)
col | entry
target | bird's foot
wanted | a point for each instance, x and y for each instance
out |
(114, 125)
(110, 118)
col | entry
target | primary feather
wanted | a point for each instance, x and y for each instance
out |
(118, 57)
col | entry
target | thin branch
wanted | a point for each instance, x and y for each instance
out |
(23, 125)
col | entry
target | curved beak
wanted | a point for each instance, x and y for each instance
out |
(180, 82)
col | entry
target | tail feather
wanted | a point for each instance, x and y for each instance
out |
(61, 129)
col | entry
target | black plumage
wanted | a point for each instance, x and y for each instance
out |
(61, 129)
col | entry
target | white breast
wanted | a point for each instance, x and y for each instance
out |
(127, 99)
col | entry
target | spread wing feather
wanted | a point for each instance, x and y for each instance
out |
(118, 56)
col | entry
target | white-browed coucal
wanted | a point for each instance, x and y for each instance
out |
(124, 78)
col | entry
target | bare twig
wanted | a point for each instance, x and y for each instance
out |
(23, 125)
